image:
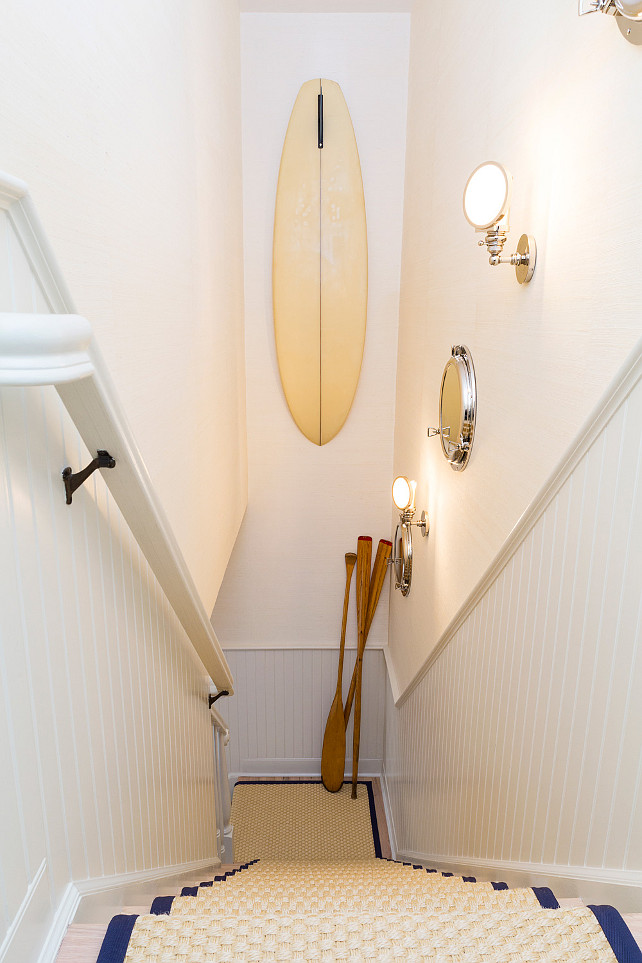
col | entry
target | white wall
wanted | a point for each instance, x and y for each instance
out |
(278, 713)
(307, 505)
(517, 756)
(124, 121)
(552, 96)
(105, 736)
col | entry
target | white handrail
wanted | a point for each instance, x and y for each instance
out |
(59, 349)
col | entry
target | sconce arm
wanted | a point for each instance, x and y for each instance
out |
(514, 259)
(406, 519)
(595, 6)
(523, 260)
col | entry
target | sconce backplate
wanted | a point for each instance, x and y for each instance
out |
(526, 249)
(631, 30)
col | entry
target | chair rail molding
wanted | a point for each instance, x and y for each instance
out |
(623, 383)
(516, 753)
(59, 349)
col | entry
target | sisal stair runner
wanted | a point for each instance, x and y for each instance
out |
(322, 892)
(375, 910)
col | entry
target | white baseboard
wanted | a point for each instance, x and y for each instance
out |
(619, 887)
(100, 897)
(392, 835)
(62, 918)
(303, 768)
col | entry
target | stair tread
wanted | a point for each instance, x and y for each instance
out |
(82, 943)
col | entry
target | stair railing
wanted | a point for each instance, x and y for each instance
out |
(222, 795)
(59, 349)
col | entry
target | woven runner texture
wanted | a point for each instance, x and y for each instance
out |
(357, 888)
(549, 936)
(301, 821)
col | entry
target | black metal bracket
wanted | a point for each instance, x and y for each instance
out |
(74, 480)
(213, 698)
(320, 120)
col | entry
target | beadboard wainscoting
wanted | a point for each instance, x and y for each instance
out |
(277, 716)
(519, 751)
(105, 732)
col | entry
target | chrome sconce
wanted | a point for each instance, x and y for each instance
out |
(403, 496)
(487, 197)
(628, 15)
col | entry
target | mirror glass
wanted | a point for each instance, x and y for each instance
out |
(458, 408)
(450, 409)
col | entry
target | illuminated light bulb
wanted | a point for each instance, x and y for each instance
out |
(487, 195)
(403, 493)
(631, 9)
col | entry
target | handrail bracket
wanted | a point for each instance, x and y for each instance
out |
(74, 480)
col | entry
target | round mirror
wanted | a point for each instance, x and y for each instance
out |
(457, 408)
(403, 558)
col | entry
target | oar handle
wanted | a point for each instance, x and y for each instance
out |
(364, 555)
(379, 572)
(351, 559)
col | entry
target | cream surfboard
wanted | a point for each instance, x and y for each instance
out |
(320, 262)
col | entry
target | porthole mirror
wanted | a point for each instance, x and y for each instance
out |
(403, 558)
(457, 408)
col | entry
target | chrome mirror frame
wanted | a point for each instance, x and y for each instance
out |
(402, 560)
(457, 440)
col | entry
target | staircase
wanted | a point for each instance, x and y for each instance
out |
(378, 909)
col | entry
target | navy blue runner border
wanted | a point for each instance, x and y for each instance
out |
(114, 946)
(620, 938)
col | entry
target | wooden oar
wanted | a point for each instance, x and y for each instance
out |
(333, 754)
(379, 571)
(364, 554)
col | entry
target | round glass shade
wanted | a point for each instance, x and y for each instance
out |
(403, 493)
(631, 9)
(487, 195)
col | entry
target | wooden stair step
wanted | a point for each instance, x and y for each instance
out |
(82, 943)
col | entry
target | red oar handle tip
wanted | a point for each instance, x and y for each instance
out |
(384, 541)
(364, 538)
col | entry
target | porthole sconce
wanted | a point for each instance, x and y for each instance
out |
(627, 13)
(403, 496)
(487, 197)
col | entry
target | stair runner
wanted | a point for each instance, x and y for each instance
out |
(370, 910)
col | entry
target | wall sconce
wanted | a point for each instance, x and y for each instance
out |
(403, 495)
(487, 198)
(628, 15)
